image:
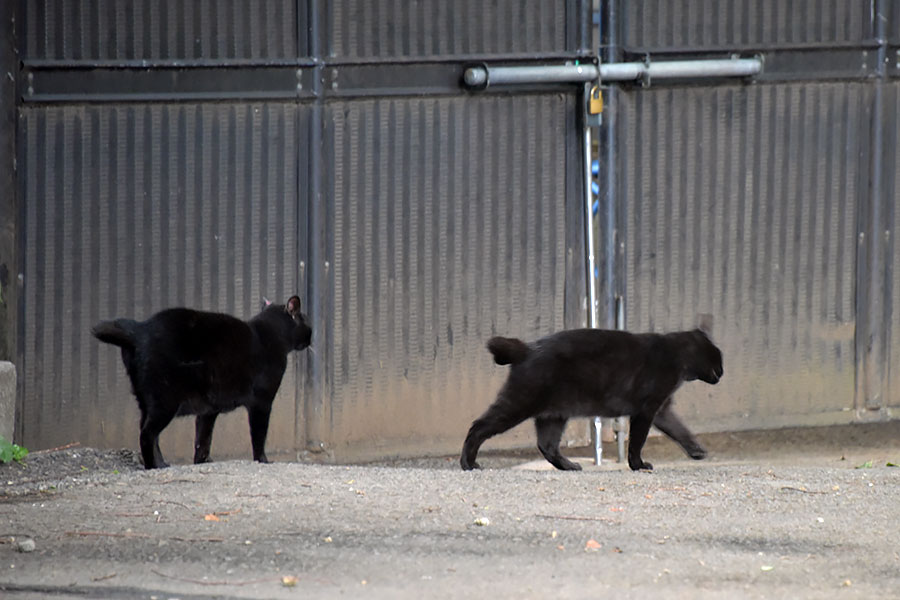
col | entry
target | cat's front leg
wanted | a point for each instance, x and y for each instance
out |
(259, 426)
(668, 422)
(640, 427)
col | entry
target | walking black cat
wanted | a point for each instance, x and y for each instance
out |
(589, 372)
(188, 362)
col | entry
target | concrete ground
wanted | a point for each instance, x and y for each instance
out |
(790, 514)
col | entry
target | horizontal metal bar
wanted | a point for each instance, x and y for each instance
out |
(41, 83)
(162, 63)
(484, 75)
(302, 61)
(748, 49)
(680, 69)
(114, 85)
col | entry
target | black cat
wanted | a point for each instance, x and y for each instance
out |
(187, 362)
(588, 372)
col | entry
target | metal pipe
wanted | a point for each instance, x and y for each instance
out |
(484, 75)
(591, 264)
(680, 69)
(619, 425)
(610, 52)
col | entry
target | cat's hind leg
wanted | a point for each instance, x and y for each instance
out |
(499, 417)
(549, 432)
(152, 424)
(203, 437)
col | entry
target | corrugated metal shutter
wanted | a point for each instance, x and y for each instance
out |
(741, 203)
(131, 209)
(449, 227)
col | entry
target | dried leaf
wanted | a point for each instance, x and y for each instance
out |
(593, 544)
(289, 581)
(211, 517)
(766, 568)
(482, 521)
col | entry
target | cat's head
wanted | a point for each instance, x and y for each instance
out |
(702, 359)
(301, 336)
(295, 323)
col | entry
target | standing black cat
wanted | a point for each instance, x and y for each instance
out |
(187, 362)
(588, 372)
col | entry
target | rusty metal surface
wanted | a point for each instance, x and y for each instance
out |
(740, 207)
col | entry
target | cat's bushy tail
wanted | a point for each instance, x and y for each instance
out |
(119, 332)
(508, 351)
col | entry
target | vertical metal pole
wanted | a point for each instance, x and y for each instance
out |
(607, 11)
(873, 264)
(589, 249)
(620, 423)
(611, 52)
(589, 224)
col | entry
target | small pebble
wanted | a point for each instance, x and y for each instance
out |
(25, 545)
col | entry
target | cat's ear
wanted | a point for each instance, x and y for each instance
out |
(292, 306)
(705, 324)
(265, 302)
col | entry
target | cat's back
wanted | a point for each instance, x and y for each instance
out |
(577, 344)
(188, 334)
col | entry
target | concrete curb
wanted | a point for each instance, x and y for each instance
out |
(7, 399)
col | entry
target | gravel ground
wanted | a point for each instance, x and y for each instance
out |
(791, 514)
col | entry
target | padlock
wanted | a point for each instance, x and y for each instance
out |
(595, 104)
(595, 108)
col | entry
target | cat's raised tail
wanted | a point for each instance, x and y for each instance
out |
(508, 351)
(119, 332)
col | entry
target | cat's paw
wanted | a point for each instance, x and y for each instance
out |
(469, 466)
(570, 466)
(640, 465)
(697, 453)
(262, 459)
